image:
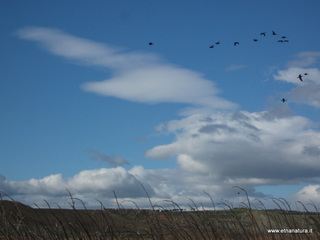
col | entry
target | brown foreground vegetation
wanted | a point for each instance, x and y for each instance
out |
(18, 221)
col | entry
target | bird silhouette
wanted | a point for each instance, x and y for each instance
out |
(263, 33)
(151, 43)
(283, 37)
(280, 41)
(300, 77)
(255, 40)
(274, 33)
(217, 43)
(235, 43)
(283, 100)
(306, 74)
(211, 46)
(286, 41)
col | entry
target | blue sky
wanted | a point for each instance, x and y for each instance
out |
(88, 105)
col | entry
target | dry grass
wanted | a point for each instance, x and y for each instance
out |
(18, 221)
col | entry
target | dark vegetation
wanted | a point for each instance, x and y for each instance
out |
(18, 221)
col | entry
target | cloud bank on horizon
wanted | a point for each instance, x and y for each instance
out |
(213, 153)
(213, 150)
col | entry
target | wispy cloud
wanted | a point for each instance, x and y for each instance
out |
(136, 76)
(113, 160)
(304, 59)
(236, 67)
(83, 50)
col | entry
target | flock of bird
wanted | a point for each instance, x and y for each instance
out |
(283, 39)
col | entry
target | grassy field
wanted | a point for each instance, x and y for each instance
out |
(18, 221)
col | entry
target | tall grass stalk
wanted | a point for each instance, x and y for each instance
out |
(245, 222)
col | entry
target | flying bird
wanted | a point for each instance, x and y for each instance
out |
(280, 41)
(283, 100)
(217, 43)
(283, 37)
(263, 33)
(211, 46)
(235, 43)
(286, 41)
(151, 43)
(255, 40)
(306, 74)
(274, 33)
(300, 77)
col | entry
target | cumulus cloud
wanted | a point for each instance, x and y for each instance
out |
(136, 76)
(309, 194)
(257, 148)
(213, 152)
(94, 184)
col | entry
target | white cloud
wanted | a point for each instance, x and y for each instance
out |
(187, 163)
(89, 184)
(85, 51)
(291, 75)
(307, 94)
(309, 194)
(137, 76)
(308, 90)
(244, 146)
(213, 153)
(50, 185)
